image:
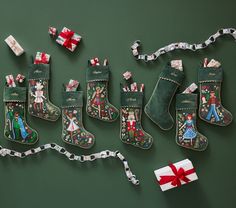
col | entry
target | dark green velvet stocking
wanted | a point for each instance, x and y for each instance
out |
(157, 108)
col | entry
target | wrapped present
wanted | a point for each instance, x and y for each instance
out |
(14, 45)
(41, 58)
(177, 64)
(20, 78)
(142, 88)
(72, 85)
(10, 81)
(68, 39)
(94, 61)
(176, 174)
(134, 87)
(127, 75)
(52, 31)
(191, 88)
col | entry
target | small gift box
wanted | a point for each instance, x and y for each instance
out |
(20, 78)
(94, 61)
(127, 75)
(10, 81)
(52, 31)
(14, 45)
(176, 174)
(72, 85)
(68, 39)
(41, 58)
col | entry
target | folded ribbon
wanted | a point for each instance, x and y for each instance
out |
(179, 175)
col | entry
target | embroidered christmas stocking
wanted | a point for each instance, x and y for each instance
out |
(39, 104)
(210, 107)
(131, 131)
(157, 108)
(186, 130)
(73, 131)
(16, 129)
(98, 105)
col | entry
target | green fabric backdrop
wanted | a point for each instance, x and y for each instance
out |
(108, 28)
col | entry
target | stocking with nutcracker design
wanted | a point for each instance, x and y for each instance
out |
(131, 131)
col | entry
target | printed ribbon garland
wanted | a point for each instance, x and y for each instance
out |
(179, 175)
(71, 156)
(68, 34)
(180, 45)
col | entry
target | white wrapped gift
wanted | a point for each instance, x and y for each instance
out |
(176, 174)
(14, 45)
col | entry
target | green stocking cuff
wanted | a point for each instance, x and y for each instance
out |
(39, 71)
(131, 99)
(172, 75)
(97, 73)
(186, 101)
(210, 74)
(14, 94)
(72, 99)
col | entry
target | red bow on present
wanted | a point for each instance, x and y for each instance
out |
(68, 34)
(179, 175)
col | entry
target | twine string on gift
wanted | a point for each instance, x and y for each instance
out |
(180, 45)
(81, 158)
(179, 175)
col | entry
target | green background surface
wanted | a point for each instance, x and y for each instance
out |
(108, 28)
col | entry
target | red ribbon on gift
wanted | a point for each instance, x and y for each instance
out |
(43, 59)
(10, 81)
(179, 175)
(67, 35)
(94, 61)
